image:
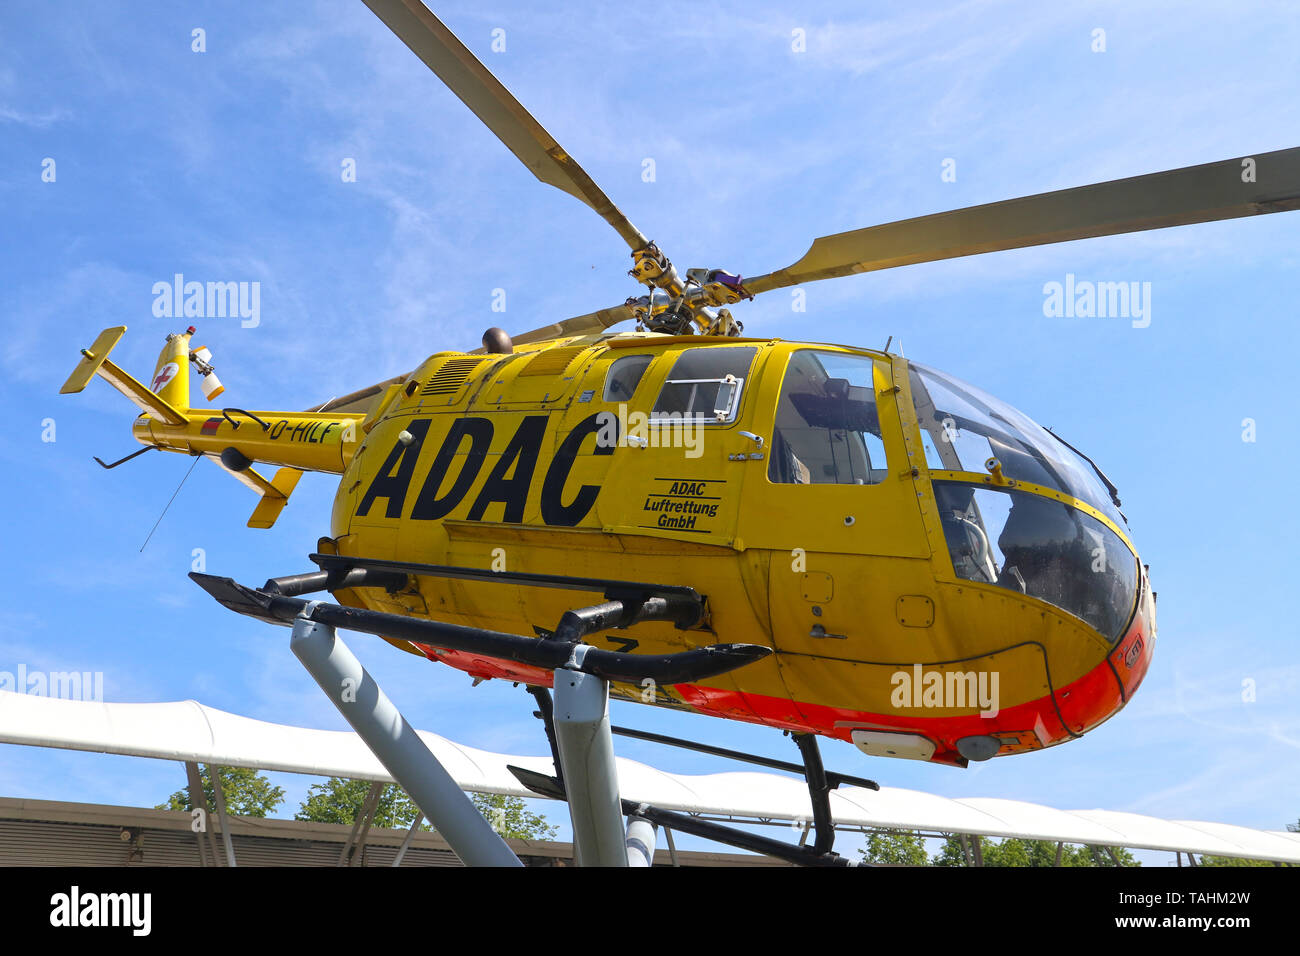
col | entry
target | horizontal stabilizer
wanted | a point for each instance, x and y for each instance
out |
(269, 508)
(274, 494)
(94, 361)
(91, 359)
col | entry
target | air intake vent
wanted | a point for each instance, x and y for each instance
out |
(450, 376)
(553, 361)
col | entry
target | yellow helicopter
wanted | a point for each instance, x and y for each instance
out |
(827, 539)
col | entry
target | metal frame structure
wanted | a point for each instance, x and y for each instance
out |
(608, 831)
(582, 738)
(394, 741)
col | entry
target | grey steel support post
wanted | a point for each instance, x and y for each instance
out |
(640, 842)
(410, 837)
(199, 802)
(223, 819)
(805, 829)
(587, 759)
(672, 847)
(394, 741)
(353, 852)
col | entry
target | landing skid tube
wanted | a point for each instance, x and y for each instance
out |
(276, 603)
(578, 727)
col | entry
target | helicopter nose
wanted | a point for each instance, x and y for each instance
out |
(1112, 683)
(1132, 654)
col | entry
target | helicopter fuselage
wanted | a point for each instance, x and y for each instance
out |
(793, 485)
(938, 577)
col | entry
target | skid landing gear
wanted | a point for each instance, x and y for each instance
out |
(577, 720)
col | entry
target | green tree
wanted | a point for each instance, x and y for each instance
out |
(1232, 861)
(950, 854)
(341, 801)
(895, 848)
(248, 793)
(1016, 852)
(511, 818)
(1010, 852)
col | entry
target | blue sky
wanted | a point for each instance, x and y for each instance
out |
(225, 165)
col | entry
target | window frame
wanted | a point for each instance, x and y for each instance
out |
(870, 363)
(660, 418)
(609, 373)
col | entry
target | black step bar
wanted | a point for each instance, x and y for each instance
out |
(684, 606)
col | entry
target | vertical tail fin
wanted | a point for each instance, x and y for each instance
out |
(171, 376)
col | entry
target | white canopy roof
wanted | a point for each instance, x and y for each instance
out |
(187, 730)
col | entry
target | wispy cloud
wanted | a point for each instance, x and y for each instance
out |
(37, 120)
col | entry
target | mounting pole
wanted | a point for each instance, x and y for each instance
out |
(640, 842)
(394, 741)
(586, 748)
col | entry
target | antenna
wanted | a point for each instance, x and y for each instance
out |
(169, 501)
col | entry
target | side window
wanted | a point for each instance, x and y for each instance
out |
(705, 385)
(624, 375)
(827, 427)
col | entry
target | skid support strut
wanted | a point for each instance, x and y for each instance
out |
(586, 749)
(394, 741)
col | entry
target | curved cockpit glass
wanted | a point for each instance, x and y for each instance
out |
(962, 427)
(1041, 547)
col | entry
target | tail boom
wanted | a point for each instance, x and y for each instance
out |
(233, 438)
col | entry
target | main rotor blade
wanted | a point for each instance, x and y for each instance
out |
(491, 102)
(361, 399)
(579, 325)
(1175, 197)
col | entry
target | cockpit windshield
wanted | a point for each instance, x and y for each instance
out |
(962, 427)
(1043, 548)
